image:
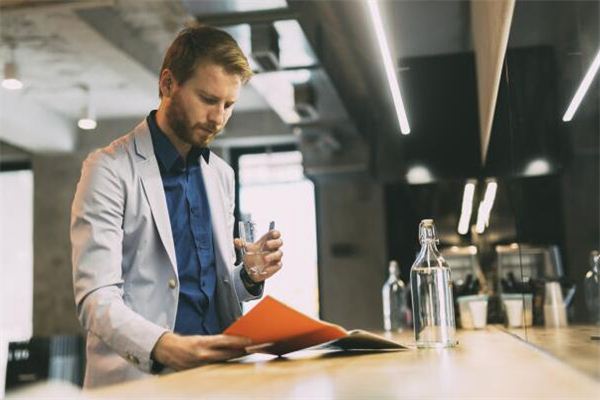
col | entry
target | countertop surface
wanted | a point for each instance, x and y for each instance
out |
(487, 364)
(572, 345)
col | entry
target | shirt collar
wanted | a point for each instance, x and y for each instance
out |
(166, 153)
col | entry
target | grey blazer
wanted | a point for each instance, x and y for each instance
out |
(124, 266)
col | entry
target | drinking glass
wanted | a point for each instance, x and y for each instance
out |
(253, 247)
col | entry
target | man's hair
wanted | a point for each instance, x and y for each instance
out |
(204, 44)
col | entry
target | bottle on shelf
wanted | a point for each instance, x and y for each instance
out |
(431, 288)
(396, 313)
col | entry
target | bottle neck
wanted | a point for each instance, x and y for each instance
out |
(430, 254)
(429, 245)
(394, 273)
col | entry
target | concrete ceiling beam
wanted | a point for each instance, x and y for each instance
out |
(109, 24)
(26, 124)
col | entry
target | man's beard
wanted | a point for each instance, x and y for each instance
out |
(178, 122)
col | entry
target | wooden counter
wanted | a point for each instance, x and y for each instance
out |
(571, 345)
(486, 364)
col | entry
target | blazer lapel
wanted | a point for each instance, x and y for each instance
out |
(153, 188)
(218, 214)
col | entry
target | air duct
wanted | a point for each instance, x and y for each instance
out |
(305, 101)
(265, 46)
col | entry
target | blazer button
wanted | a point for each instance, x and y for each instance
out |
(172, 283)
(133, 359)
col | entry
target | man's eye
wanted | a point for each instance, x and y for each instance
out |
(208, 100)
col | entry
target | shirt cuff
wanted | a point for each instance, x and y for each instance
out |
(254, 288)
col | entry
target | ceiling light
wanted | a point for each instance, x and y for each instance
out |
(87, 124)
(87, 121)
(485, 207)
(389, 66)
(466, 208)
(419, 175)
(488, 200)
(11, 79)
(583, 88)
(539, 166)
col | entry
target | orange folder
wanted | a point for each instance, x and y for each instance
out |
(277, 328)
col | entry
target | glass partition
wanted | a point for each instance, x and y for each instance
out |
(545, 146)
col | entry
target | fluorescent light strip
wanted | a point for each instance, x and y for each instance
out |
(389, 66)
(488, 199)
(480, 225)
(485, 207)
(467, 206)
(583, 88)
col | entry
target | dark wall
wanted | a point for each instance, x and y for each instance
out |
(526, 121)
(441, 102)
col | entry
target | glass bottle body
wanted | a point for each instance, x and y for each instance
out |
(591, 286)
(396, 313)
(433, 305)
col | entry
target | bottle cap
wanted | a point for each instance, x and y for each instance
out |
(394, 268)
(594, 257)
(427, 230)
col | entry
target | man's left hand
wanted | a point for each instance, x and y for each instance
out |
(271, 244)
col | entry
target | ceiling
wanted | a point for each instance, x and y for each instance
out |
(112, 47)
(109, 52)
(115, 48)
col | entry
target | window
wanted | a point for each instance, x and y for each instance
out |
(16, 254)
(273, 188)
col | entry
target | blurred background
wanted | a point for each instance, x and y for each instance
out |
(485, 134)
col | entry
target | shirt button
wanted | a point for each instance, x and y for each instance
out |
(172, 283)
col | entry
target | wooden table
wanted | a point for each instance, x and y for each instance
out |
(486, 364)
(572, 345)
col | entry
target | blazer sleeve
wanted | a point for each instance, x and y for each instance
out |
(240, 289)
(96, 238)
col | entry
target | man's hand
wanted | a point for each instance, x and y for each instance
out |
(271, 243)
(183, 352)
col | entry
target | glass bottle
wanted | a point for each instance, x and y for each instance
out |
(591, 286)
(396, 314)
(433, 307)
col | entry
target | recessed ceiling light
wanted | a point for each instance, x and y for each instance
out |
(87, 121)
(11, 79)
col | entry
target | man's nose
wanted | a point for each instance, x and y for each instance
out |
(216, 115)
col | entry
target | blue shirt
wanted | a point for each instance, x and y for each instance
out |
(191, 227)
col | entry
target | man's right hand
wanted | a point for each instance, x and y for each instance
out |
(183, 352)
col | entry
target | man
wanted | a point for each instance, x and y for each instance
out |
(152, 226)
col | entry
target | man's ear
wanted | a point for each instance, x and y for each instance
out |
(167, 82)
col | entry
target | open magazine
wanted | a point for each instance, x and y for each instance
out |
(277, 328)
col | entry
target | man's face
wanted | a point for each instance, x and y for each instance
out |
(198, 109)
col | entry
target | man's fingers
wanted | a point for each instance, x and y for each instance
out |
(273, 244)
(271, 269)
(226, 342)
(221, 354)
(237, 243)
(274, 257)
